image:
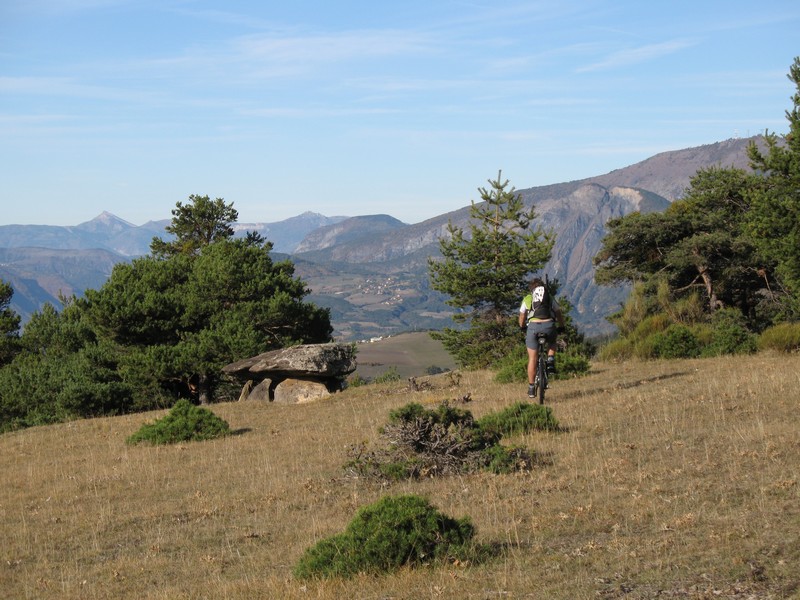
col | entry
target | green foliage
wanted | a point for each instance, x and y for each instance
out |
(184, 423)
(395, 532)
(784, 337)
(774, 218)
(729, 335)
(513, 368)
(161, 327)
(662, 335)
(446, 440)
(486, 341)
(501, 460)
(677, 341)
(9, 325)
(484, 270)
(618, 349)
(389, 376)
(695, 250)
(420, 428)
(196, 225)
(184, 317)
(732, 242)
(522, 417)
(62, 372)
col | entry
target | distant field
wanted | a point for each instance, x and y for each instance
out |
(410, 353)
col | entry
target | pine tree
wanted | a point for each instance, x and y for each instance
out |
(195, 225)
(9, 324)
(774, 218)
(484, 270)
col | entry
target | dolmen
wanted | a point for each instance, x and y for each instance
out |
(296, 374)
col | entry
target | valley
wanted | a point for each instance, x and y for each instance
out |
(371, 270)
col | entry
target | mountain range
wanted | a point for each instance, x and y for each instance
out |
(371, 270)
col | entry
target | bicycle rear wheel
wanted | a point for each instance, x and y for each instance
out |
(541, 377)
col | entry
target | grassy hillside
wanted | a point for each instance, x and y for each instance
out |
(672, 480)
(410, 353)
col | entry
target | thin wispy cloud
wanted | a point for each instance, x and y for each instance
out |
(316, 112)
(638, 55)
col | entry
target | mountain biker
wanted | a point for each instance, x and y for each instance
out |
(539, 313)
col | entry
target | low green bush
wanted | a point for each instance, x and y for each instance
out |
(424, 442)
(390, 375)
(518, 418)
(651, 325)
(729, 335)
(677, 341)
(184, 423)
(617, 349)
(784, 337)
(514, 367)
(395, 532)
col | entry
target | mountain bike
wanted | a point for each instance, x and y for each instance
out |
(540, 381)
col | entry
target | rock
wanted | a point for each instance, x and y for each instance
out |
(261, 391)
(246, 389)
(296, 374)
(311, 360)
(297, 391)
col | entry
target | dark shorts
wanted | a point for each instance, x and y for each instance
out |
(547, 327)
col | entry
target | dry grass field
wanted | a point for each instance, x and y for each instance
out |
(410, 353)
(676, 479)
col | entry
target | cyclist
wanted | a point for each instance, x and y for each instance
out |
(539, 313)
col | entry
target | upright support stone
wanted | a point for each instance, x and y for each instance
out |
(298, 391)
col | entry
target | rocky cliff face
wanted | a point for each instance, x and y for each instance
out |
(576, 212)
(577, 219)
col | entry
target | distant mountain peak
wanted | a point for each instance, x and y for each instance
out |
(106, 221)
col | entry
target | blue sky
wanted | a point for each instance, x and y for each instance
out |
(356, 108)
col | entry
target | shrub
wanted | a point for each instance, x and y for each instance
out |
(394, 532)
(784, 337)
(502, 460)
(184, 423)
(521, 417)
(570, 364)
(651, 325)
(645, 349)
(691, 309)
(616, 350)
(390, 375)
(729, 335)
(704, 333)
(356, 380)
(443, 441)
(677, 341)
(514, 367)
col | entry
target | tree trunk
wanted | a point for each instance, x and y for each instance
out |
(713, 301)
(204, 388)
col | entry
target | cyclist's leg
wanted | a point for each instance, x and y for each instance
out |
(551, 347)
(533, 357)
(531, 345)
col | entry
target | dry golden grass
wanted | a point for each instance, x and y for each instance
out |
(674, 479)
